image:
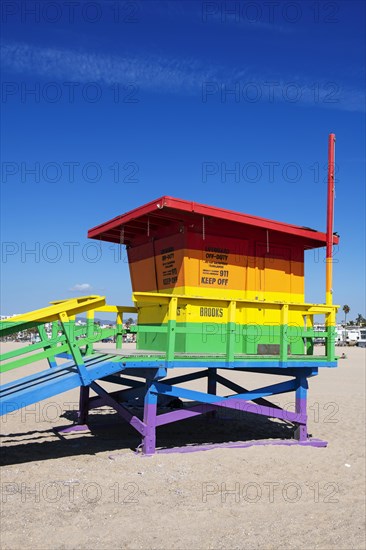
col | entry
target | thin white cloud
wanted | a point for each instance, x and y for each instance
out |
(150, 72)
(175, 76)
(81, 287)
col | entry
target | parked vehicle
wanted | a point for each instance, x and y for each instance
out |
(341, 336)
(353, 337)
(362, 341)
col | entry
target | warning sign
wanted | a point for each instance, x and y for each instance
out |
(214, 267)
(169, 274)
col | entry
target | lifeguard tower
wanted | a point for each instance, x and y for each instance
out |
(230, 274)
(214, 290)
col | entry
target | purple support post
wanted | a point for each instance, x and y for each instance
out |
(301, 432)
(150, 404)
(83, 405)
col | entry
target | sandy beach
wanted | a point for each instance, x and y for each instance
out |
(90, 490)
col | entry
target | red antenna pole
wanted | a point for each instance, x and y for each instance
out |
(330, 220)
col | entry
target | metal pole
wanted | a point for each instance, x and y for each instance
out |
(330, 220)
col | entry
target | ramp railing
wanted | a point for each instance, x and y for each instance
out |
(58, 335)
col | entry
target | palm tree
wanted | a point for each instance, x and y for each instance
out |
(346, 310)
(360, 320)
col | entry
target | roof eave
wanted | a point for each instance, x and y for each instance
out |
(316, 238)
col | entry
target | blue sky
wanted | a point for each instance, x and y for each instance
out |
(107, 105)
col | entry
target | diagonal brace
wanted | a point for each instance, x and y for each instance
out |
(239, 389)
(121, 410)
(282, 387)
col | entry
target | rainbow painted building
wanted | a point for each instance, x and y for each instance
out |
(214, 291)
(182, 248)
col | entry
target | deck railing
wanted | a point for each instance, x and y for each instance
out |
(306, 332)
(77, 341)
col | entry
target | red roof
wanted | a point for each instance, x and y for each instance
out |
(166, 210)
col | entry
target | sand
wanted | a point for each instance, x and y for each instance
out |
(92, 491)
